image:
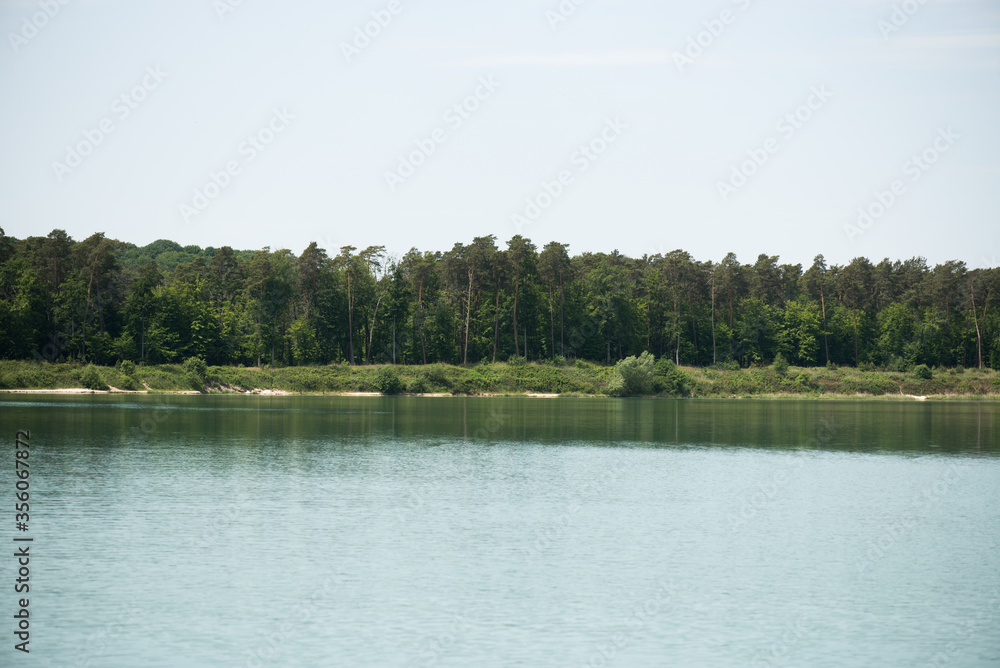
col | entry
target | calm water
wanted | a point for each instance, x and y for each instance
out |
(319, 531)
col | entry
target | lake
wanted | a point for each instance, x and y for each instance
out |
(229, 530)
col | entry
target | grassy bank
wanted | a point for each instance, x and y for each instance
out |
(581, 378)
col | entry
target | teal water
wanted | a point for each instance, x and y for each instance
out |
(362, 531)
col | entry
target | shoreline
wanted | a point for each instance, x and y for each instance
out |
(258, 392)
(543, 380)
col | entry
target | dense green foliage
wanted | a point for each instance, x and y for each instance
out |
(633, 376)
(91, 379)
(780, 364)
(387, 381)
(105, 302)
(669, 379)
(581, 378)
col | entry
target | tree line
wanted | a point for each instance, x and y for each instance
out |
(103, 301)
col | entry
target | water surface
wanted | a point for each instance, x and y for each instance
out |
(361, 531)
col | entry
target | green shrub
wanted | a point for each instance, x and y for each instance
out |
(898, 364)
(129, 383)
(466, 385)
(728, 365)
(664, 367)
(922, 372)
(91, 378)
(127, 367)
(516, 360)
(196, 366)
(195, 373)
(193, 382)
(780, 365)
(960, 369)
(632, 376)
(418, 385)
(437, 375)
(387, 381)
(669, 379)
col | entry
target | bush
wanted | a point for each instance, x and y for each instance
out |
(130, 384)
(922, 372)
(516, 360)
(418, 385)
(91, 378)
(194, 382)
(436, 374)
(728, 365)
(804, 380)
(387, 381)
(632, 376)
(127, 367)
(664, 367)
(468, 385)
(780, 365)
(195, 371)
(668, 379)
(558, 360)
(196, 366)
(898, 364)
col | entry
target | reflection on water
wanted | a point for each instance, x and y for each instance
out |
(857, 426)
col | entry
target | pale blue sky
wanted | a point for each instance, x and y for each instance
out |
(681, 128)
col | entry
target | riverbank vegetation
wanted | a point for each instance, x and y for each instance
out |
(630, 377)
(105, 302)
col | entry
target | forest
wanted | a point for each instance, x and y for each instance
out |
(105, 301)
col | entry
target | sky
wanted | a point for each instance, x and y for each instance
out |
(792, 128)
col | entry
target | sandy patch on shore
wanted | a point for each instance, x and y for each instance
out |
(60, 390)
